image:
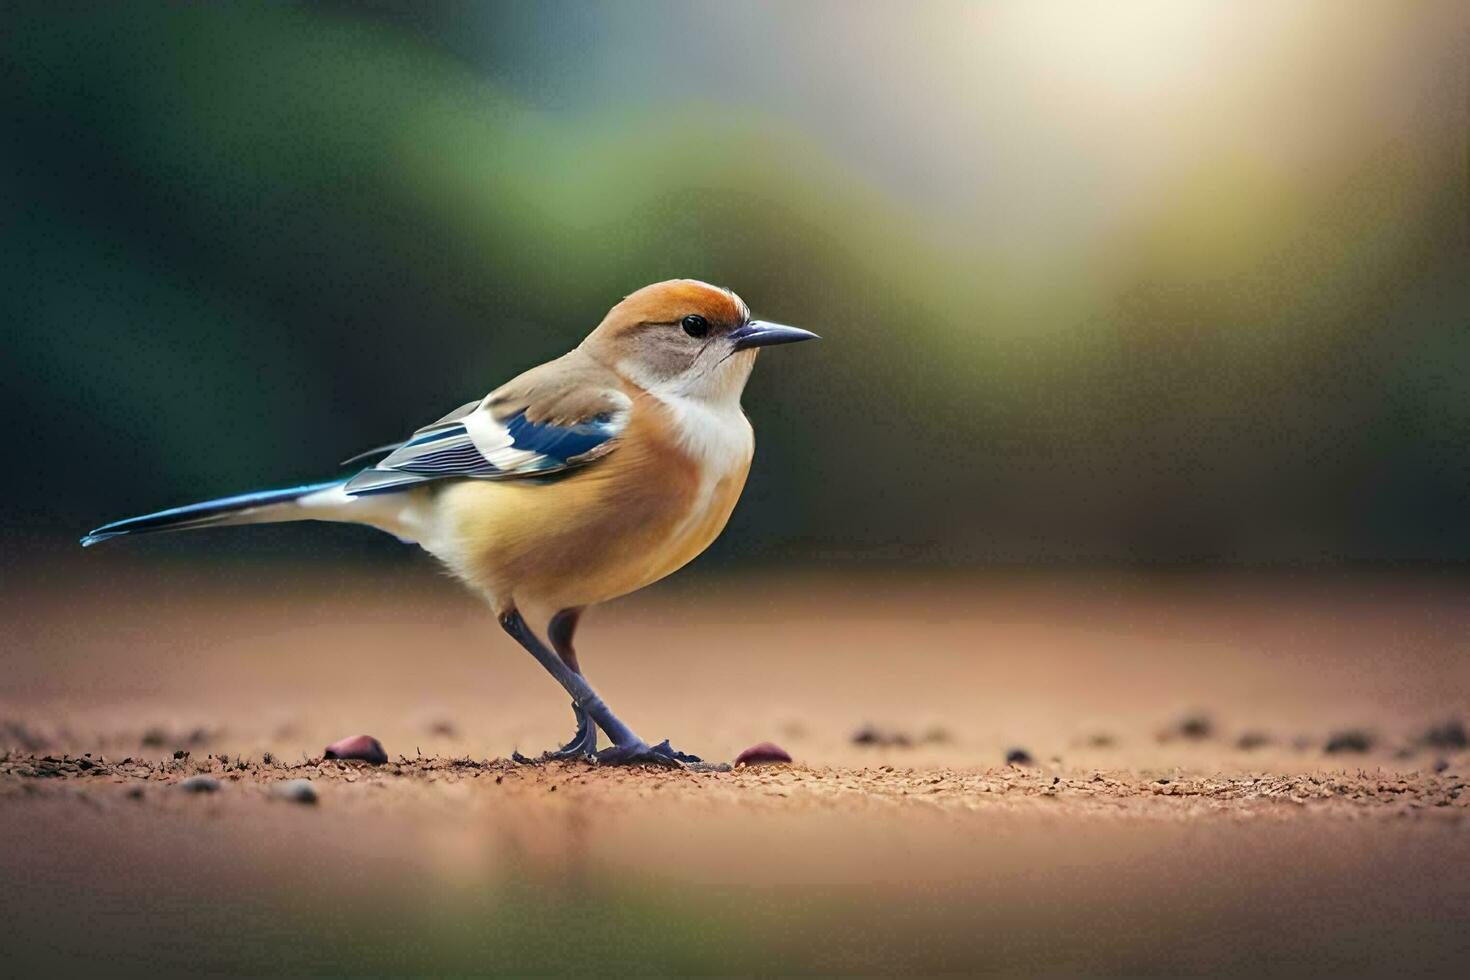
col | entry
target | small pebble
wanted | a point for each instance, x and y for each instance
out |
(363, 748)
(1352, 740)
(295, 790)
(1195, 727)
(200, 784)
(1250, 741)
(1440, 765)
(1018, 757)
(872, 735)
(135, 792)
(763, 754)
(1450, 735)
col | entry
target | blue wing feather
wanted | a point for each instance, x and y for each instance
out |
(529, 449)
(560, 442)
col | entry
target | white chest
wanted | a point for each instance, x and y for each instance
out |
(718, 438)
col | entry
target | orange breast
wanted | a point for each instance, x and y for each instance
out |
(621, 523)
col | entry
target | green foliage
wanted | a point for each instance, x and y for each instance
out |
(244, 241)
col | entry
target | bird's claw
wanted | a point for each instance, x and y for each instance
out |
(642, 754)
(583, 744)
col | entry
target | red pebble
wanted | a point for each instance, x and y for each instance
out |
(361, 747)
(764, 754)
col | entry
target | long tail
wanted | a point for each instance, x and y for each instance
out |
(246, 508)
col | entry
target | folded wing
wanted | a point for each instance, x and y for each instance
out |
(553, 418)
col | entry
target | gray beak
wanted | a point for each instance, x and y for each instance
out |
(759, 333)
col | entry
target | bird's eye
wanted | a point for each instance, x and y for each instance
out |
(695, 325)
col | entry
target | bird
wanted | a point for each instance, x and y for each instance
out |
(578, 481)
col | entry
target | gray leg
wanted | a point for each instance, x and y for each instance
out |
(560, 631)
(627, 747)
(575, 684)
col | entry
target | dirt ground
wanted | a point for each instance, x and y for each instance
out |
(1227, 773)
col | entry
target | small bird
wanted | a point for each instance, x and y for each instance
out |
(581, 480)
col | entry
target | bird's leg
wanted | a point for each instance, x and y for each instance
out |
(627, 748)
(560, 631)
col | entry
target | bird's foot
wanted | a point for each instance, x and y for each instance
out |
(583, 744)
(641, 754)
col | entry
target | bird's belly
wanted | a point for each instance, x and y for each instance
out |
(593, 536)
(671, 549)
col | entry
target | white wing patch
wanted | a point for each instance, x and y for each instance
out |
(477, 445)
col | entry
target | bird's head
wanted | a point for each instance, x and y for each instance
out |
(685, 337)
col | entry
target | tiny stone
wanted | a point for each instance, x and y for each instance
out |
(1450, 735)
(872, 735)
(763, 754)
(1352, 740)
(200, 784)
(1440, 765)
(1018, 757)
(1196, 727)
(295, 790)
(1250, 741)
(364, 748)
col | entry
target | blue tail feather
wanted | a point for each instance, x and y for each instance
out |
(200, 514)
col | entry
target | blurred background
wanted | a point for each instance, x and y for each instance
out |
(1108, 289)
(1163, 282)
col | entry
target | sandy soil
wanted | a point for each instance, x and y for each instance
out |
(1181, 811)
